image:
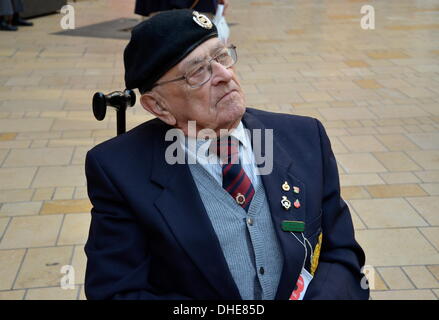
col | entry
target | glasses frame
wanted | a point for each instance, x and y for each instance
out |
(185, 76)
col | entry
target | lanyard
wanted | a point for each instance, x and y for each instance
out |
(304, 244)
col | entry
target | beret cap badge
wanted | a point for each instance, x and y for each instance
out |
(202, 20)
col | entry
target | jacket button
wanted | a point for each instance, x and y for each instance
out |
(250, 221)
(261, 270)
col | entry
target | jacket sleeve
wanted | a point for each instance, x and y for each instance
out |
(116, 249)
(338, 274)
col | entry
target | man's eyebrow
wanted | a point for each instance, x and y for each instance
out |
(216, 48)
(198, 60)
(192, 62)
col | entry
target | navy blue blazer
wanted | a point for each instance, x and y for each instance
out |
(151, 238)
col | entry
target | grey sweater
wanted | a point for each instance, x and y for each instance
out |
(247, 239)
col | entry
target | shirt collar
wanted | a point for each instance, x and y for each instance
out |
(238, 133)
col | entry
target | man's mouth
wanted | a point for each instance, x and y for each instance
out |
(227, 94)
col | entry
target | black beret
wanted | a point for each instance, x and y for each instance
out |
(159, 43)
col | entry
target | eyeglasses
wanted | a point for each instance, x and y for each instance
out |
(202, 73)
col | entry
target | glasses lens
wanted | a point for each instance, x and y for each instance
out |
(224, 58)
(202, 73)
(231, 58)
(198, 75)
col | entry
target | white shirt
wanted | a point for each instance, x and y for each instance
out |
(211, 162)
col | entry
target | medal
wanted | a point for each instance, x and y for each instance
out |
(285, 203)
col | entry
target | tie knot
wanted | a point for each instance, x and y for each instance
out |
(228, 149)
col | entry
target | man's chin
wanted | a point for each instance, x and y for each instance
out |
(232, 101)
(231, 114)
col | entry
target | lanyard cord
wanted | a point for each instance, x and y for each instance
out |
(310, 246)
(304, 246)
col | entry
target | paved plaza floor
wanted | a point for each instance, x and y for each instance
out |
(376, 91)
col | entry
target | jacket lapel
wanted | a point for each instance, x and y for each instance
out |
(283, 170)
(182, 208)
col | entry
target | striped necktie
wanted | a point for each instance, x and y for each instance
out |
(235, 180)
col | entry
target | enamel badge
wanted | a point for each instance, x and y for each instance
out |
(293, 226)
(202, 20)
(285, 203)
(240, 199)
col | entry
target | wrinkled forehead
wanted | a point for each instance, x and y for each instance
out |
(201, 53)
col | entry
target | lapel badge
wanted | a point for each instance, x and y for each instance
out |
(286, 186)
(293, 226)
(297, 204)
(202, 20)
(296, 189)
(285, 203)
(240, 199)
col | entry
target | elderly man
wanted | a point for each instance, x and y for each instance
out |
(230, 229)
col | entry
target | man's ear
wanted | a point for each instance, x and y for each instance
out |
(150, 103)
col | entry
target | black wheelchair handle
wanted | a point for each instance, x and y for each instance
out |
(116, 99)
(119, 100)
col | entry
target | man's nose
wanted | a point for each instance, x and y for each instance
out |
(220, 73)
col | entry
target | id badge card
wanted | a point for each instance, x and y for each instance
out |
(301, 285)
